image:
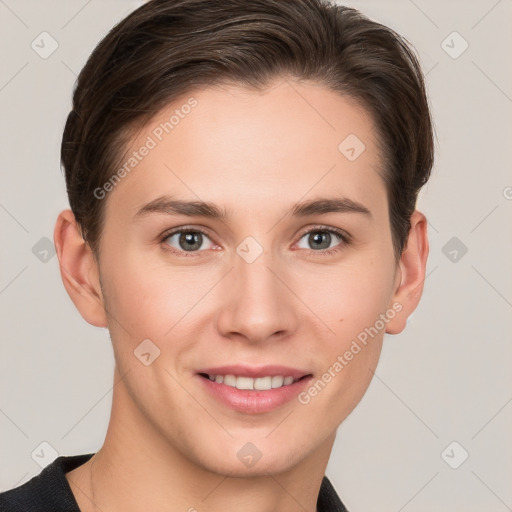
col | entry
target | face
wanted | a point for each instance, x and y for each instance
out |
(260, 284)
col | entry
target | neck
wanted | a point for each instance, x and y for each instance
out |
(137, 469)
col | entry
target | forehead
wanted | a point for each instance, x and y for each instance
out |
(238, 147)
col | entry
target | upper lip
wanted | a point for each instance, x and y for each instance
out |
(255, 371)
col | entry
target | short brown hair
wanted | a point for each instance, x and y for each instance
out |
(168, 47)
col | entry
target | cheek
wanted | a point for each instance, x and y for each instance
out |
(148, 299)
(348, 297)
(350, 300)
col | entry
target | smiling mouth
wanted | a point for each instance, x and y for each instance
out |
(256, 384)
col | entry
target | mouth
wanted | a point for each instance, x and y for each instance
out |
(254, 390)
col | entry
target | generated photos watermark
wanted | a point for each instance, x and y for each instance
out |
(152, 140)
(344, 359)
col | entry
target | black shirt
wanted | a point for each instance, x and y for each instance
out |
(49, 491)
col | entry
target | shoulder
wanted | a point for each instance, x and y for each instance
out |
(48, 491)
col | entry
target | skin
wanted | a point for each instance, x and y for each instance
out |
(169, 444)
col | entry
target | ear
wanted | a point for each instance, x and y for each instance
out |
(79, 270)
(410, 274)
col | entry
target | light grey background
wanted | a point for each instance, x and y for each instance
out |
(446, 378)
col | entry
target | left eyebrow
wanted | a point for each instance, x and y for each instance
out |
(328, 205)
(169, 206)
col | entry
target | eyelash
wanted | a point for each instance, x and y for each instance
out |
(342, 235)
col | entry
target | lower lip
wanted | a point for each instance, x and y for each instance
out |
(252, 401)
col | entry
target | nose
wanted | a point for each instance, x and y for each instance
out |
(257, 302)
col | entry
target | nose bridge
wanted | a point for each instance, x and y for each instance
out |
(255, 278)
(257, 303)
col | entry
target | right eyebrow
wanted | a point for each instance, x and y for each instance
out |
(168, 206)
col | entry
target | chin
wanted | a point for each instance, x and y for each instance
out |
(261, 468)
(247, 460)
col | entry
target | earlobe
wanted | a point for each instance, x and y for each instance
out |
(411, 273)
(79, 270)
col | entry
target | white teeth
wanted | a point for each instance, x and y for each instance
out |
(229, 380)
(263, 383)
(260, 383)
(277, 381)
(244, 383)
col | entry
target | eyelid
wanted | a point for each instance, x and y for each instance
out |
(179, 229)
(345, 237)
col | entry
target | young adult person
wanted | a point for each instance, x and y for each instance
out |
(242, 178)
